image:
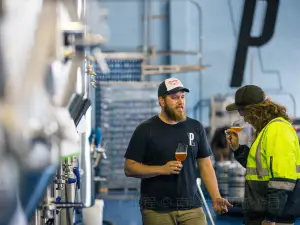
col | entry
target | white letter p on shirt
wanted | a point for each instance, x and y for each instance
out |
(191, 139)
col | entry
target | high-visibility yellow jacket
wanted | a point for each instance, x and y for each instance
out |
(272, 170)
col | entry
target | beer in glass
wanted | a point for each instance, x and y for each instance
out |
(181, 152)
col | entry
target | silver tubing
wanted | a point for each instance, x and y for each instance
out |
(204, 201)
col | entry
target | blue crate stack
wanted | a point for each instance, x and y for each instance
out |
(120, 70)
(121, 103)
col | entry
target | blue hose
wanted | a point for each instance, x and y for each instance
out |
(77, 174)
(97, 135)
(71, 180)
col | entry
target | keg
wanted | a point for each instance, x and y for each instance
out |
(222, 175)
(236, 187)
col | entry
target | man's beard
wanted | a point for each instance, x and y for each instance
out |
(174, 115)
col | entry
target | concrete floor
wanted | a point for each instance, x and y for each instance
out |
(123, 209)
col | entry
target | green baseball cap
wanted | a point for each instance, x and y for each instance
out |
(245, 96)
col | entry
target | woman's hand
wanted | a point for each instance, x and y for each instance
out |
(232, 139)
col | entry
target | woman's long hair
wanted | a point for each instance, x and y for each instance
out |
(259, 115)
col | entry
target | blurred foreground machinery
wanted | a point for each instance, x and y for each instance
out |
(48, 147)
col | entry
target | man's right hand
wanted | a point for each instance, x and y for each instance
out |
(232, 139)
(172, 167)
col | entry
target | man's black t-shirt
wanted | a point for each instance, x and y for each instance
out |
(154, 143)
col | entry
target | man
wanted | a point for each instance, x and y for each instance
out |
(272, 193)
(169, 194)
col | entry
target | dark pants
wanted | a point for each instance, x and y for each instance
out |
(259, 221)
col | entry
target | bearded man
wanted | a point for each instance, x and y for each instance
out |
(169, 193)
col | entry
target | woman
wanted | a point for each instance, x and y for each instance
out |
(272, 162)
(220, 147)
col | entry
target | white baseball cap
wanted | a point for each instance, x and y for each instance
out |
(171, 86)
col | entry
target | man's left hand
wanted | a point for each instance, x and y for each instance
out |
(267, 223)
(220, 205)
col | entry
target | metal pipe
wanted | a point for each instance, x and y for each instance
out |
(149, 28)
(87, 187)
(201, 103)
(145, 28)
(69, 206)
(72, 79)
(70, 191)
(198, 7)
(277, 92)
(198, 181)
(50, 194)
(117, 49)
(251, 69)
(84, 21)
(36, 218)
(2, 73)
(154, 69)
